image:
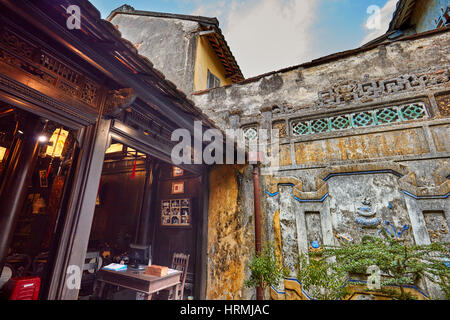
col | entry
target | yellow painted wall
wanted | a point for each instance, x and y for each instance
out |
(206, 59)
(229, 245)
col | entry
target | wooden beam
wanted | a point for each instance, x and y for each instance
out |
(206, 33)
(105, 63)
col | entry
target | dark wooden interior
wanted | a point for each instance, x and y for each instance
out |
(94, 85)
(47, 183)
(122, 217)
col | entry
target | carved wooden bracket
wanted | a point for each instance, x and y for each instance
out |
(118, 100)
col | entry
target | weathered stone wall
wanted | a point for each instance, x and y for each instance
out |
(230, 233)
(169, 43)
(364, 146)
(305, 91)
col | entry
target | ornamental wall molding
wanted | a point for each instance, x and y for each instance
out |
(27, 93)
(354, 91)
(407, 180)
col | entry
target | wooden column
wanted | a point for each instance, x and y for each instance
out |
(147, 199)
(22, 160)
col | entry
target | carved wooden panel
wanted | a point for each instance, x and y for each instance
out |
(45, 67)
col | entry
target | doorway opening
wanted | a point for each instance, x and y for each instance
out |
(142, 203)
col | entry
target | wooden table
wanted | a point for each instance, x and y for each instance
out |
(137, 281)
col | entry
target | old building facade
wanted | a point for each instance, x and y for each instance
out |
(191, 51)
(85, 141)
(363, 145)
(363, 142)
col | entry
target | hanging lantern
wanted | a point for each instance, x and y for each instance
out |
(116, 147)
(58, 139)
(2, 153)
(56, 145)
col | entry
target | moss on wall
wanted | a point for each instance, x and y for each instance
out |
(370, 146)
(230, 240)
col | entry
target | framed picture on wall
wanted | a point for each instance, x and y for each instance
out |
(176, 213)
(178, 187)
(177, 172)
(43, 182)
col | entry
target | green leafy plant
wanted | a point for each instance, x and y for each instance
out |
(322, 280)
(400, 262)
(265, 269)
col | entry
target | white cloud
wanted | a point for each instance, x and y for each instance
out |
(385, 18)
(266, 35)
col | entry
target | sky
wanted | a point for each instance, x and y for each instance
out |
(268, 35)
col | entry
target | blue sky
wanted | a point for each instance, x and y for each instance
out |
(267, 35)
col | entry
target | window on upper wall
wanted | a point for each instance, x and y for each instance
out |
(213, 81)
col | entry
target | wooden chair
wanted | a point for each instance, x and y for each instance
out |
(180, 262)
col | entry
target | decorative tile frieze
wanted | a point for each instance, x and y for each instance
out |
(380, 116)
(251, 133)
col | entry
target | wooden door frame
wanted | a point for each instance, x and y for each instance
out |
(76, 226)
(24, 98)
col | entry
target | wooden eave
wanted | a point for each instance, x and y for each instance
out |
(101, 45)
(223, 53)
(402, 14)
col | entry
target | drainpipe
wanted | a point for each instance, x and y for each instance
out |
(257, 202)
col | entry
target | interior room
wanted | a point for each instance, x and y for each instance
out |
(142, 203)
(47, 149)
